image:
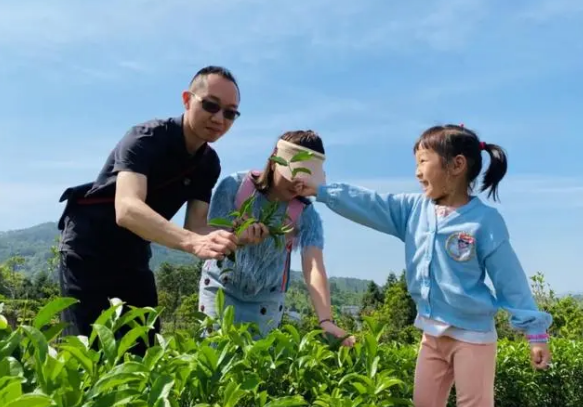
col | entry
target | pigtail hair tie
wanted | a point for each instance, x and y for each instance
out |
(482, 145)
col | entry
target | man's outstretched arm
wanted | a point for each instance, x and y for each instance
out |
(134, 214)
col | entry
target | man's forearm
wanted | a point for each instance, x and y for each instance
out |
(136, 216)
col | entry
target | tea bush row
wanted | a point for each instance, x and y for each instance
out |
(228, 367)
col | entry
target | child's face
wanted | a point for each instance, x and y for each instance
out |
(431, 174)
(284, 189)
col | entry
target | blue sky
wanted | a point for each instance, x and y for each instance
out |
(369, 76)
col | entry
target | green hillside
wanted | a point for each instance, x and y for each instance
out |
(34, 244)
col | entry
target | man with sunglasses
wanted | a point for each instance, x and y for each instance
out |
(156, 168)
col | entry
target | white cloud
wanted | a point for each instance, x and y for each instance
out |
(113, 40)
(132, 65)
(249, 31)
(523, 192)
(538, 192)
(136, 37)
(89, 163)
(19, 195)
(310, 111)
(26, 204)
(548, 247)
(446, 25)
(382, 184)
(544, 10)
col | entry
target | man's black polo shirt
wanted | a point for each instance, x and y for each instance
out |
(156, 149)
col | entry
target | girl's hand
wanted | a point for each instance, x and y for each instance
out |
(540, 355)
(338, 332)
(305, 188)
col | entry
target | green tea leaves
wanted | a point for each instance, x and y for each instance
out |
(301, 156)
(278, 160)
(220, 223)
(296, 171)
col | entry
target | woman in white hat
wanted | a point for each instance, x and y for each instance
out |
(256, 283)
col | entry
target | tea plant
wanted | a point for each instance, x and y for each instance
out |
(40, 367)
(240, 219)
(298, 157)
(225, 368)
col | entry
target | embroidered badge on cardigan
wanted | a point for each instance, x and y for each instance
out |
(460, 246)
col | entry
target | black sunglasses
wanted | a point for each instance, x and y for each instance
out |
(214, 107)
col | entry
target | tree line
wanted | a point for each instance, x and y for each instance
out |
(296, 364)
(389, 304)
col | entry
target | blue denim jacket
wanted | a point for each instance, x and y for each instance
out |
(259, 268)
(447, 259)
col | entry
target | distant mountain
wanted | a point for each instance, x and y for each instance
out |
(34, 244)
(575, 294)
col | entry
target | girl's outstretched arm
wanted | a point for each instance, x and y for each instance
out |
(386, 213)
(510, 282)
(513, 291)
(514, 295)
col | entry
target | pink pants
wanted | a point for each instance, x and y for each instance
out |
(443, 361)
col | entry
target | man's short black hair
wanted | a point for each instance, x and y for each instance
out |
(217, 70)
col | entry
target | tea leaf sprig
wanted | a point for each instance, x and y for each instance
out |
(239, 220)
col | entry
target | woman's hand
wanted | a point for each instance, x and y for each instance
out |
(333, 329)
(253, 234)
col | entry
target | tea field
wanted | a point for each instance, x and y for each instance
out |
(296, 365)
(228, 368)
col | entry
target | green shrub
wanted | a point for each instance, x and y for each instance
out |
(518, 384)
(225, 368)
(228, 367)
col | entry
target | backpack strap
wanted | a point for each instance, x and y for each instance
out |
(294, 211)
(246, 189)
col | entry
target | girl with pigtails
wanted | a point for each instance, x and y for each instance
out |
(453, 240)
